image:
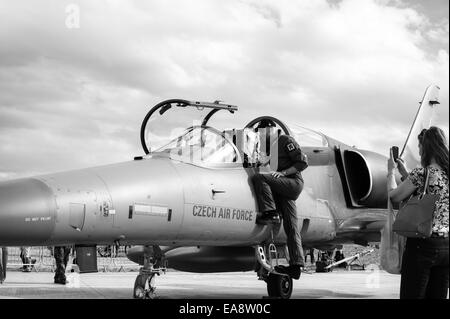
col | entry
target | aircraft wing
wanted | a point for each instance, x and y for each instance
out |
(363, 227)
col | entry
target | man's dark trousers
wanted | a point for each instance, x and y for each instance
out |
(61, 254)
(282, 191)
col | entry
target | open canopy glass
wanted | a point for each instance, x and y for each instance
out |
(169, 119)
(202, 146)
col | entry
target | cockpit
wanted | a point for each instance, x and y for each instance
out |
(164, 134)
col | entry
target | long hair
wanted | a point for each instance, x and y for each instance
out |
(434, 145)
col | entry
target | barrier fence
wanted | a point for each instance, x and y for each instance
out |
(109, 259)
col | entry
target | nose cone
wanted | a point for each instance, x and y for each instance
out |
(27, 212)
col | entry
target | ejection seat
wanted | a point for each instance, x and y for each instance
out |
(247, 143)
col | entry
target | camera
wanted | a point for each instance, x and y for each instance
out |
(395, 152)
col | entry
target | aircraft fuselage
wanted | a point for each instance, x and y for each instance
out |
(160, 201)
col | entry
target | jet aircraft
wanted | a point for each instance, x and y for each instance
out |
(190, 205)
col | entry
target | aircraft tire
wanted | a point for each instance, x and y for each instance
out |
(279, 286)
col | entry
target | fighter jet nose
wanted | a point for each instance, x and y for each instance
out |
(27, 212)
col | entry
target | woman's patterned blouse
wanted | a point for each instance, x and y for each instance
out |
(438, 184)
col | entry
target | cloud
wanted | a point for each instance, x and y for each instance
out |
(69, 98)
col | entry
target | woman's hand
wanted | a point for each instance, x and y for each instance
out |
(391, 163)
(402, 167)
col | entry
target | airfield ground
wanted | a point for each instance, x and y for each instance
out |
(370, 283)
(176, 285)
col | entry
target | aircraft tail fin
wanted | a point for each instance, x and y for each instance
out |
(423, 119)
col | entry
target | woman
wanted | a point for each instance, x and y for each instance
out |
(425, 271)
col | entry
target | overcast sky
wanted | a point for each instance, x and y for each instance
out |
(73, 92)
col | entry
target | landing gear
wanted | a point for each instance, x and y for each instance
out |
(144, 285)
(278, 285)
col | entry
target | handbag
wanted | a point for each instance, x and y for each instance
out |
(392, 245)
(415, 218)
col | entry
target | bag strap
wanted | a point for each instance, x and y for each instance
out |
(427, 181)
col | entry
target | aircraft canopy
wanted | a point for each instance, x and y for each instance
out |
(168, 119)
(200, 145)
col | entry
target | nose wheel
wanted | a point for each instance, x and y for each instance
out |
(279, 286)
(144, 287)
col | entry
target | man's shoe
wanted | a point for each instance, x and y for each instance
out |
(293, 271)
(268, 218)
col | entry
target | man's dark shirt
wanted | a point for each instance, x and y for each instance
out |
(290, 154)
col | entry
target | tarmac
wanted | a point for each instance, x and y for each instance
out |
(339, 284)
